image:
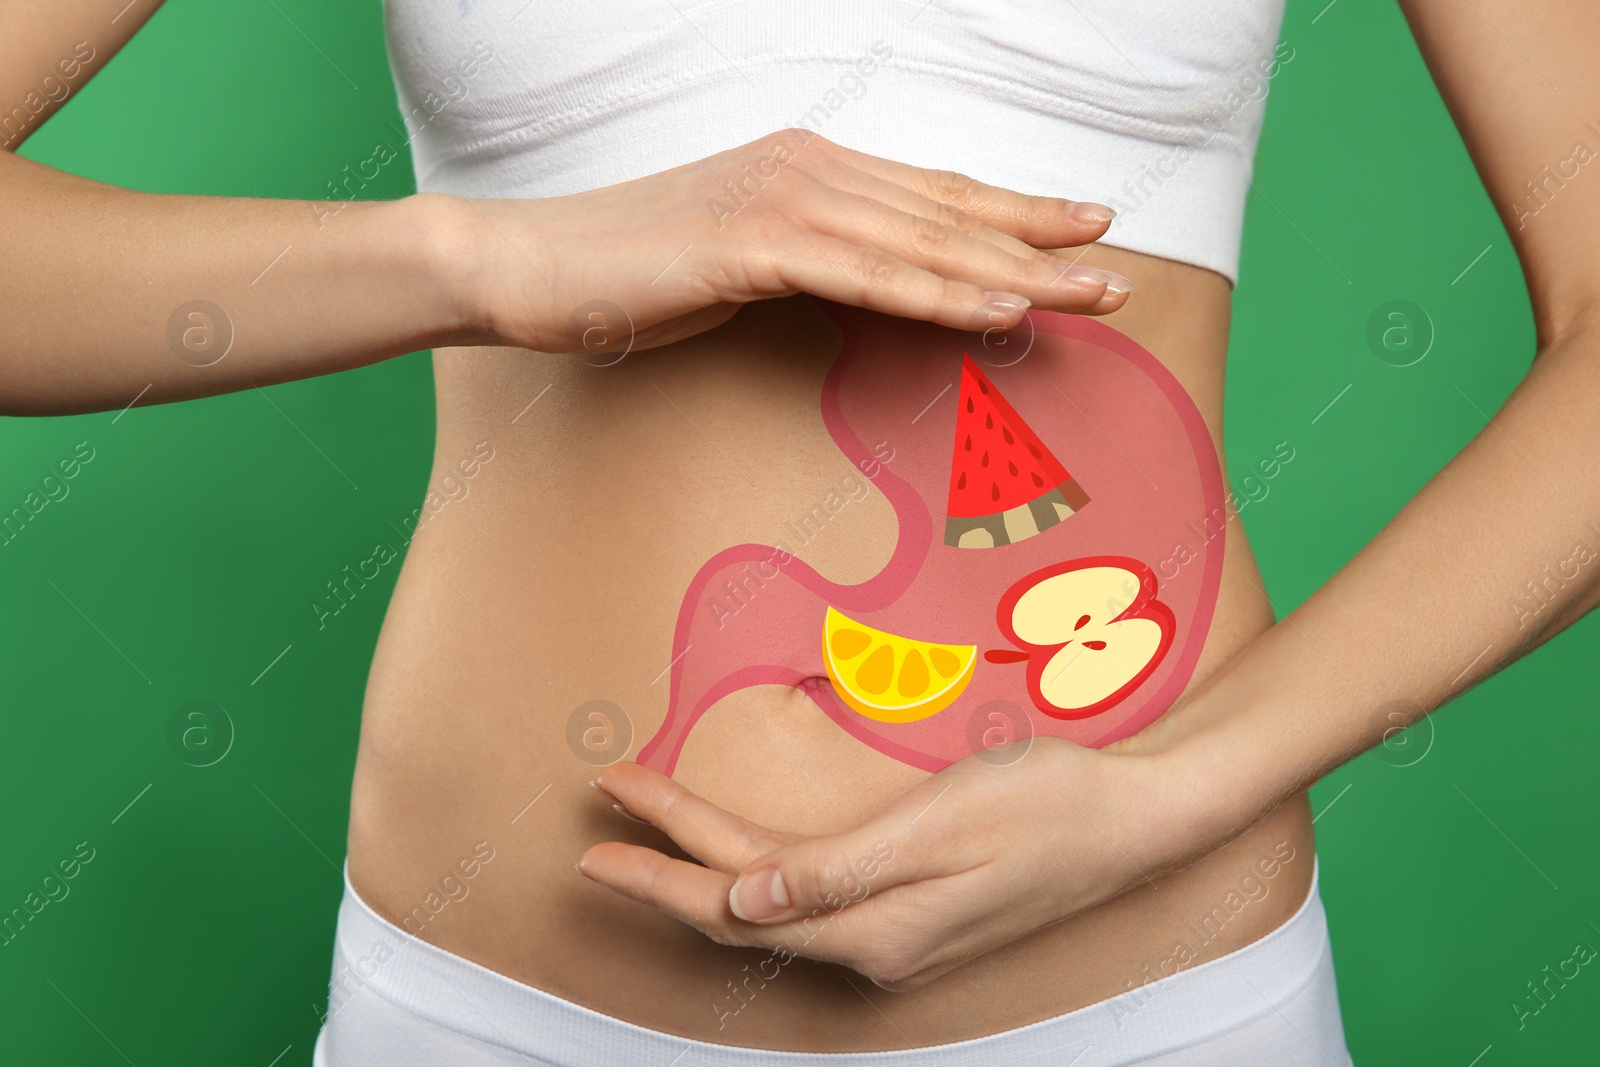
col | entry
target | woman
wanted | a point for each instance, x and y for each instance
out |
(1043, 892)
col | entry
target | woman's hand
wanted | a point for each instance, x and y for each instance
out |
(978, 855)
(196, 296)
(664, 257)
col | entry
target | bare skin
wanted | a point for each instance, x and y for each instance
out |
(1366, 654)
(526, 600)
(557, 581)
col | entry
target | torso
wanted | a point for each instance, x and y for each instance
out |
(557, 578)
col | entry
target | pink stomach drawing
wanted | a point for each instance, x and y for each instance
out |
(1125, 430)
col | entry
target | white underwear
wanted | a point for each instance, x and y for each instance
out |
(397, 1001)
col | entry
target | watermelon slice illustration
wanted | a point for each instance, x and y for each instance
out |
(1005, 485)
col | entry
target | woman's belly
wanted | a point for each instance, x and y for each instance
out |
(641, 559)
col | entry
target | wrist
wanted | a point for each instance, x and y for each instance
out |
(449, 235)
(1207, 807)
(1211, 778)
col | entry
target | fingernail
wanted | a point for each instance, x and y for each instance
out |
(579, 868)
(1089, 213)
(1116, 284)
(1086, 275)
(626, 814)
(760, 896)
(1005, 305)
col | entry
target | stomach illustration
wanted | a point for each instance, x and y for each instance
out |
(1060, 518)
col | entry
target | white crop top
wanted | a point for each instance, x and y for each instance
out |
(1153, 107)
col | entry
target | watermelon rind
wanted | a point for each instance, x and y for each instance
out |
(1018, 523)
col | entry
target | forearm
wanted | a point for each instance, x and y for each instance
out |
(104, 286)
(49, 52)
(1497, 553)
(1494, 556)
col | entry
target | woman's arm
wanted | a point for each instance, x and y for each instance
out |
(1497, 553)
(114, 293)
(115, 296)
(50, 50)
(981, 854)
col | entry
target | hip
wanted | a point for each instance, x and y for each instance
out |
(396, 1000)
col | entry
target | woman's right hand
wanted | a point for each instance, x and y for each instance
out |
(661, 258)
(167, 297)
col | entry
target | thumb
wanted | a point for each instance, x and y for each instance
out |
(826, 874)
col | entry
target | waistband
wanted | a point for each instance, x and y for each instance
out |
(375, 957)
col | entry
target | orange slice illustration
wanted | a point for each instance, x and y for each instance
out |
(891, 678)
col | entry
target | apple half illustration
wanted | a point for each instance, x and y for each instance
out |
(1090, 630)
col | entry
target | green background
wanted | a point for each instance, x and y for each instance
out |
(184, 560)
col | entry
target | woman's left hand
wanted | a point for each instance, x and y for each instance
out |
(986, 851)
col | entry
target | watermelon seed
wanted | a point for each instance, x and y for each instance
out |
(994, 492)
(983, 387)
(984, 462)
(1038, 482)
(1005, 431)
(961, 483)
(1035, 450)
(988, 421)
(1013, 467)
(969, 405)
(968, 445)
